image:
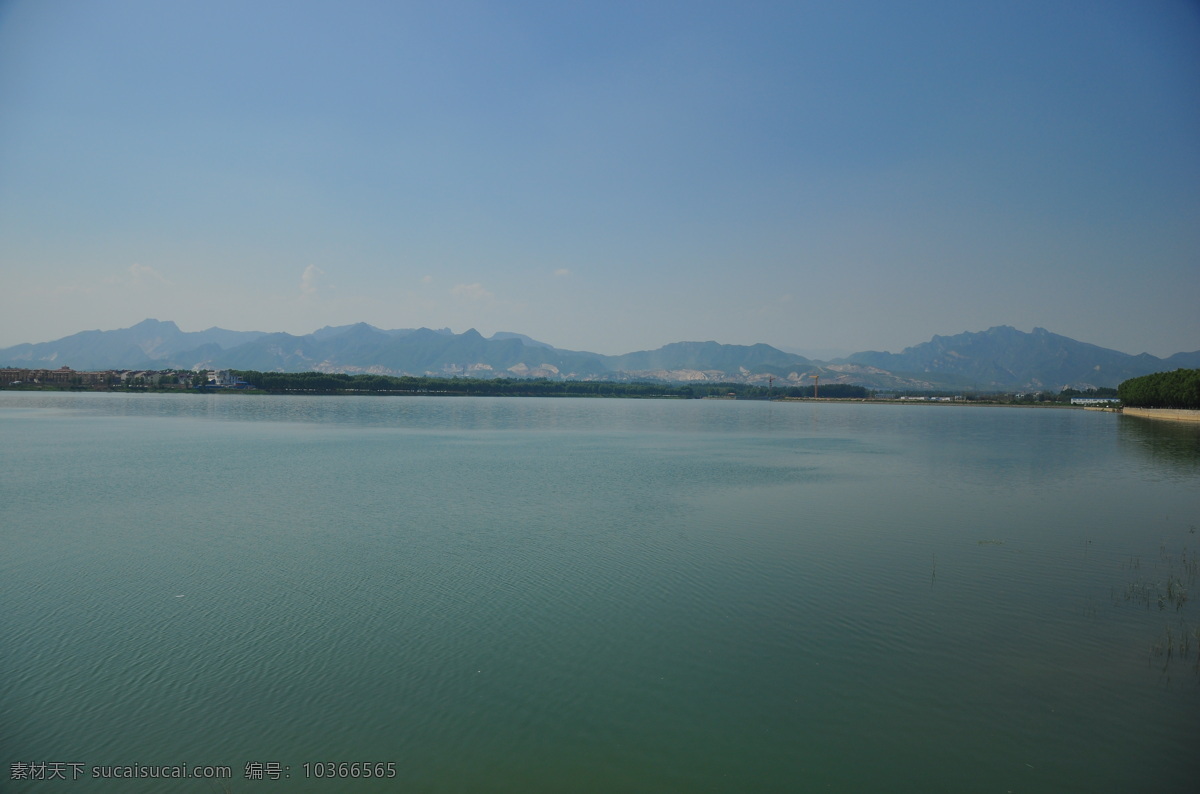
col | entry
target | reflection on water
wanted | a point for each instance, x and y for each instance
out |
(1175, 445)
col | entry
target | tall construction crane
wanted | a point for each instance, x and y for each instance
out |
(816, 379)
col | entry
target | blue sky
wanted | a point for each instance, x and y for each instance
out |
(606, 176)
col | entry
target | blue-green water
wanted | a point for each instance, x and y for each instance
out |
(523, 595)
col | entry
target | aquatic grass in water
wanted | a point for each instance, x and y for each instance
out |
(1166, 589)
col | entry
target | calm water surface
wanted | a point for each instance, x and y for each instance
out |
(528, 595)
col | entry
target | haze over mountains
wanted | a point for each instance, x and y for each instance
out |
(998, 358)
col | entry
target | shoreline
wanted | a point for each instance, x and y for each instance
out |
(45, 388)
(1167, 414)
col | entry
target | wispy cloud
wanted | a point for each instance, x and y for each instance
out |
(143, 275)
(136, 275)
(310, 280)
(471, 292)
(562, 271)
(779, 306)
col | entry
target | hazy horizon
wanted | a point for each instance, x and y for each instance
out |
(607, 177)
(816, 354)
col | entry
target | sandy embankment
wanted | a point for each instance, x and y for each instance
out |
(1174, 414)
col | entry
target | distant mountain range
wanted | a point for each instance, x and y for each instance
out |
(1000, 358)
(1005, 357)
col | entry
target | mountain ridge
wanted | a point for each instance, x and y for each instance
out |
(1001, 357)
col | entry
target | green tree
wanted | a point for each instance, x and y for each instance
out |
(1178, 389)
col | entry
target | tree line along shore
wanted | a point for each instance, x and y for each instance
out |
(337, 383)
(1179, 389)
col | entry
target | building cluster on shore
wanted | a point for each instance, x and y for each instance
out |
(65, 377)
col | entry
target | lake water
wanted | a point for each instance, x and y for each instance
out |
(540, 595)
